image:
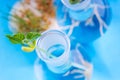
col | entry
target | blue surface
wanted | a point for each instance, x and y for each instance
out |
(105, 52)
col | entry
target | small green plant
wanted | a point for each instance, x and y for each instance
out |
(74, 1)
(27, 40)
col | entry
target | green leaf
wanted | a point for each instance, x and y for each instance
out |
(28, 40)
(12, 39)
(32, 35)
(74, 1)
(17, 38)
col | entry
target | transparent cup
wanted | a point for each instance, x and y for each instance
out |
(53, 47)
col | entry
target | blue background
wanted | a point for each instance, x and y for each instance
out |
(105, 51)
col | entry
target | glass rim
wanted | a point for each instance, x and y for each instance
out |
(78, 6)
(61, 57)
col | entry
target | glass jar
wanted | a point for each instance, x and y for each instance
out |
(88, 19)
(54, 49)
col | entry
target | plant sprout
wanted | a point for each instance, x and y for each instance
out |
(27, 40)
(75, 1)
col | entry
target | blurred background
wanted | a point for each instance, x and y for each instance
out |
(105, 51)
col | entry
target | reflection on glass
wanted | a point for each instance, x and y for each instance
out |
(53, 48)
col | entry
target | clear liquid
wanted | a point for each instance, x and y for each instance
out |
(55, 50)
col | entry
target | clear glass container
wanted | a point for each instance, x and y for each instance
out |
(63, 61)
(53, 47)
(88, 19)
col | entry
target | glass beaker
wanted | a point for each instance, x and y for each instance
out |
(88, 19)
(53, 47)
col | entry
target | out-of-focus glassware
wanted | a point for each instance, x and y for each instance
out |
(84, 21)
